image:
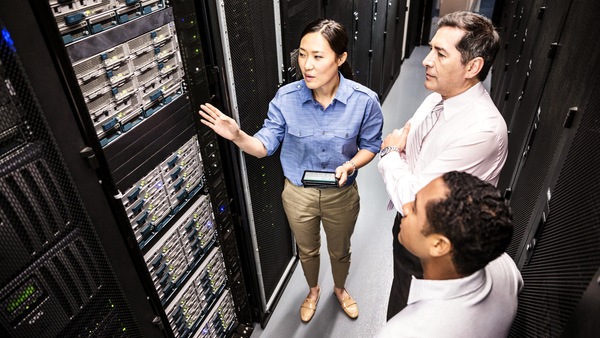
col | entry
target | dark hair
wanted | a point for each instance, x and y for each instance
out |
(335, 33)
(480, 39)
(474, 217)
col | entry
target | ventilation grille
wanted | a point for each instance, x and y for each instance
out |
(251, 28)
(32, 205)
(63, 281)
(568, 253)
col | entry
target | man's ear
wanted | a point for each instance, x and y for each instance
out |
(441, 246)
(474, 67)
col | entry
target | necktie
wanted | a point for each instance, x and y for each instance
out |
(420, 134)
(425, 128)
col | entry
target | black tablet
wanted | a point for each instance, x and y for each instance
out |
(319, 179)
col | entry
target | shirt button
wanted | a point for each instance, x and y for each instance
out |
(323, 150)
(346, 134)
(298, 86)
(355, 87)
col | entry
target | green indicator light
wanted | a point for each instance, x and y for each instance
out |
(25, 294)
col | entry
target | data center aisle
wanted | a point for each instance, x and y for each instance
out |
(370, 274)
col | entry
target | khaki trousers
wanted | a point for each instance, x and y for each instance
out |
(337, 209)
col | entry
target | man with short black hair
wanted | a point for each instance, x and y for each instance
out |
(459, 227)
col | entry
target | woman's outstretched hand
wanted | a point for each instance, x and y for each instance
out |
(222, 124)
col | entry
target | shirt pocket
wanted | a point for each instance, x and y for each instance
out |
(345, 141)
(300, 142)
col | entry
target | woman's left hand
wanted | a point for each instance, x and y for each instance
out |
(341, 174)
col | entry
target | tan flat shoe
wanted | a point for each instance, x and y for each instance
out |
(308, 308)
(349, 306)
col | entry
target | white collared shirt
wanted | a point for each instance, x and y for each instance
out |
(483, 304)
(470, 136)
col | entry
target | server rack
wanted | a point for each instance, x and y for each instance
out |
(551, 78)
(394, 37)
(56, 277)
(377, 52)
(527, 64)
(251, 64)
(132, 71)
(414, 25)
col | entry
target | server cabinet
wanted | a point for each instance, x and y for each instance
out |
(131, 72)
(529, 65)
(553, 184)
(252, 65)
(560, 257)
(377, 51)
(394, 36)
(507, 17)
(56, 276)
(361, 39)
(414, 25)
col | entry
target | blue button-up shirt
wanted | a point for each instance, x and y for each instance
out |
(317, 138)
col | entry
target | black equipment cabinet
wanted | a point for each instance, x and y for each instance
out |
(546, 85)
(250, 62)
(149, 248)
(57, 277)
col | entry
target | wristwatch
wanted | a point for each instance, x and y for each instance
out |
(387, 150)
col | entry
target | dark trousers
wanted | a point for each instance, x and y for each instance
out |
(406, 265)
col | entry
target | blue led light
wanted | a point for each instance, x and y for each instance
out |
(221, 208)
(159, 185)
(209, 224)
(6, 37)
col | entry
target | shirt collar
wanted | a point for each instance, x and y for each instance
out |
(428, 289)
(457, 103)
(342, 94)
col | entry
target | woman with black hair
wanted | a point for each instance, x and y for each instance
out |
(323, 122)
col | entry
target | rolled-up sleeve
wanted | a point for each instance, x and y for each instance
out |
(273, 130)
(372, 125)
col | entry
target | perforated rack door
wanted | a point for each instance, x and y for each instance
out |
(555, 201)
(55, 278)
(252, 46)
